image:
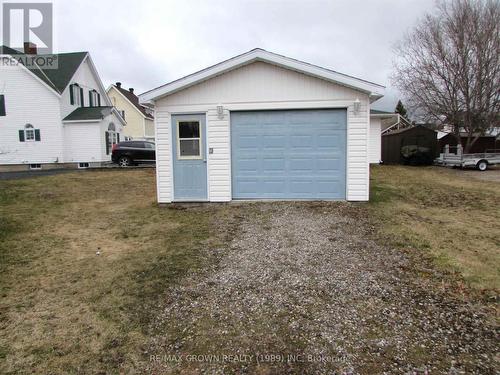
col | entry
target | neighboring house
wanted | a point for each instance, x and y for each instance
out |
(53, 118)
(263, 126)
(140, 121)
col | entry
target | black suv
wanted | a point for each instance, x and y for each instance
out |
(130, 153)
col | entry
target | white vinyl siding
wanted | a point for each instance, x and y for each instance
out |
(25, 95)
(375, 140)
(82, 142)
(163, 156)
(260, 86)
(219, 163)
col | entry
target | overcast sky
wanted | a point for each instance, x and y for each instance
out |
(144, 44)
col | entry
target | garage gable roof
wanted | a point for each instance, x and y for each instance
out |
(374, 90)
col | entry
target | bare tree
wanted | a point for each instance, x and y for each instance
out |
(448, 66)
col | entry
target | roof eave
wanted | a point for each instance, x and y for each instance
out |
(375, 91)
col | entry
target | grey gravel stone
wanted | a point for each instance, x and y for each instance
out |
(309, 279)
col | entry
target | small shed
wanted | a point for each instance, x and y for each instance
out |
(414, 146)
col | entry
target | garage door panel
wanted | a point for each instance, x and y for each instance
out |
(289, 154)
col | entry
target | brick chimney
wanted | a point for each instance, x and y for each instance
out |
(131, 89)
(29, 48)
(118, 84)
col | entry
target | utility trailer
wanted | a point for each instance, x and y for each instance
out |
(481, 161)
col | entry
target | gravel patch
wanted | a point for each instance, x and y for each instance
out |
(305, 288)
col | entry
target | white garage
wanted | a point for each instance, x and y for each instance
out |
(263, 126)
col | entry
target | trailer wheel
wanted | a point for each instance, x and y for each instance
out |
(482, 165)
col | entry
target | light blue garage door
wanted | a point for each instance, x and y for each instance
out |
(299, 154)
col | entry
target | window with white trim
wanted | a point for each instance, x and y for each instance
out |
(112, 137)
(76, 95)
(83, 165)
(188, 140)
(94, 99)
(29, 133)
(35, 166)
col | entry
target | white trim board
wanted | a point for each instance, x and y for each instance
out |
(374, 90)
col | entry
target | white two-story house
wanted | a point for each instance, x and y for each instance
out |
(54, 118)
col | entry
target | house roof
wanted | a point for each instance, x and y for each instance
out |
(465, 135)
(374, 90)
(134, 100)
(88, 113)
(58, 79)
(377, 112)
(398, 131)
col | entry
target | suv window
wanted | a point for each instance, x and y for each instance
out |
(149, 145)
(134, 144)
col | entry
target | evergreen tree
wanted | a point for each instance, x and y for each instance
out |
(400, 108)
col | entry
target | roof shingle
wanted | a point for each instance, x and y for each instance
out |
(58, 79)
(88, 113)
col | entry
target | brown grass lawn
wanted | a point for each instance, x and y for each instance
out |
(64, 309)
(451, 215)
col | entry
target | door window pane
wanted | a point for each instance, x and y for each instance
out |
(189, 129)
(189, 147)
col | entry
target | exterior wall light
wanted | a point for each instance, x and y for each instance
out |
(357, 106)
(220, 111)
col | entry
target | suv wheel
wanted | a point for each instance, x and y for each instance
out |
(124, 161)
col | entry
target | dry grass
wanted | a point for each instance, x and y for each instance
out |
(453, 218)
(63, 308)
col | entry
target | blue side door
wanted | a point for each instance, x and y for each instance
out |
(293, 154)
(189, 157)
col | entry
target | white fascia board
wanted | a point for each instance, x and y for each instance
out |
(78, 121)
(374, 90)
(122, 120)
(96, 76)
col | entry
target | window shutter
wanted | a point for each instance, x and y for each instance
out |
(71, 97)
(37, 135)
(107, 143)
(21, 135)
(91, 104)
(98, 100)
(2, 105)
(118, 137)
(81, 97)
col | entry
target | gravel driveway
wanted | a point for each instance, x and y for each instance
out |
(305, 288)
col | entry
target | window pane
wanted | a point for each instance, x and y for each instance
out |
(189, 147)
(189, 129)
(30, 135)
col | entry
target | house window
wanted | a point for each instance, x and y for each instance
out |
(112, 137)
(83, 165)
(94, 99)
(188, 140)
(2, 105)
(35, 166)
(122, 113)
(76, 95)
(29, 134)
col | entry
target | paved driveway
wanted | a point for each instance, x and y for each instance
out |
(305, 288)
